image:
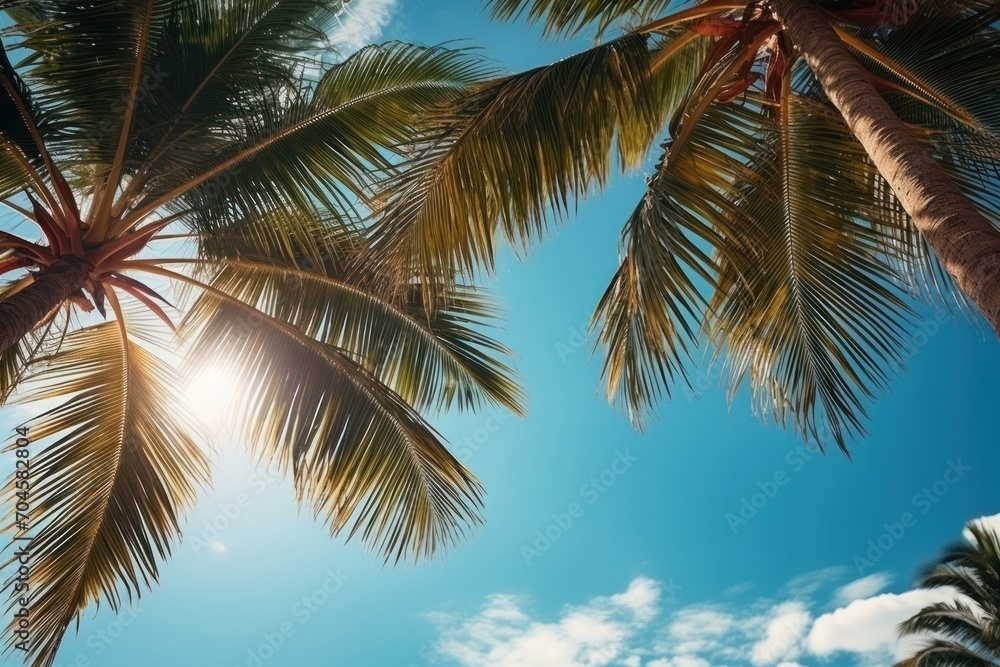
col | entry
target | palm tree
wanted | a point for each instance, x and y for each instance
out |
(966, 631)
(824, 162)
(231, 124)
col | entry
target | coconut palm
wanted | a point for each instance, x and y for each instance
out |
(821, 162)
(231, 129)
(964, 632)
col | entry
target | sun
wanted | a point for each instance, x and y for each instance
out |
(209, 393)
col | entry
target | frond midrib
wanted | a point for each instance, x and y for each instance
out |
(804, 330)
(86, 562)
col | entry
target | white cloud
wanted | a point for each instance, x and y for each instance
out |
(869, 626)
(626, 629)
(594, 634)
(630, 628)
(696, 623)
(362, 23)
(865, 587)
(679, 661)
(783, 635)
(641, 598)
(695, 630)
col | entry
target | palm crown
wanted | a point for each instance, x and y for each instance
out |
(766, 230)
(964, 632)
(235, 123)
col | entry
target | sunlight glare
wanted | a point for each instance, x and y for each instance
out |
(209, 393)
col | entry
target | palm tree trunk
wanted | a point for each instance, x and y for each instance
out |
(962, 238)
(22, 312)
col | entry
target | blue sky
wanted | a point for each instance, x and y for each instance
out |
(706, 541)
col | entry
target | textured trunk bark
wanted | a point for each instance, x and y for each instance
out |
(22, 312)
(966, 242)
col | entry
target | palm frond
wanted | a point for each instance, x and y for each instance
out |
(806, 307)
(955, 620)
(945, 653)
(568, 17)
(215, 65)
(431, 360)
(117, 470)
(961, 632)
(953, 59)
(515, 151)
(971, 567)
(19, 115)
(430, 354)
(207, 68)
(212, 56)
(107, 181)
(24, 129)
(319, 147)
(676, 58)
(359, 455)
(15, 170)
(17, 359)
(81, 68)
(288, 237)
(650, 316)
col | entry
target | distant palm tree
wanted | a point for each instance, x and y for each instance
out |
(234, 122)
(805, 189)
(966, 631)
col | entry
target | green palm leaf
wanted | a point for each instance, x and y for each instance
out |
(319, 146)
(77, 74)
(117, 471)
(650, 316)
(944, 653)
(571, 16)
(956, 620)
(431, 360)
(358, 453)
(951, 58)
(963, 632)
(209, 56)
(806, 307)
(238, 123)
(432, 355)
(14, 170)
(515, 150)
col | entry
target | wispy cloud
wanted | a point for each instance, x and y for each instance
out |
(810, 582)
(362, 23)
(865, 587)
(740, 589)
